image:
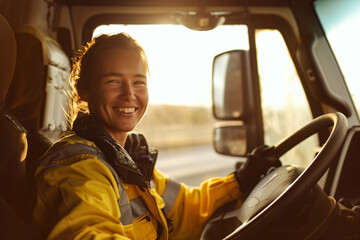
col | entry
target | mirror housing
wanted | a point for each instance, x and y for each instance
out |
(236, 101)
(201, 20)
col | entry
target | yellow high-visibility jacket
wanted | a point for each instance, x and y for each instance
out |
(80, 196)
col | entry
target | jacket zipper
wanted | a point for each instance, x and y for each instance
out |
(157, 212)
(147, 218)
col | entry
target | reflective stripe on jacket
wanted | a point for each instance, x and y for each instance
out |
(80, 196)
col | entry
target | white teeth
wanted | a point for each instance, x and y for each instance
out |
(127, 110)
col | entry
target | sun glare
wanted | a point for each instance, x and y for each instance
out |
(180, 59)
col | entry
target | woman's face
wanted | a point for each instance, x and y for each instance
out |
(118, 97)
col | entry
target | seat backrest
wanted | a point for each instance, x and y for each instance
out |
(13, 143)
(13, 146)
(37, 95)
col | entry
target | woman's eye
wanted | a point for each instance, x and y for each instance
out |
(112, 81)
(140, 82)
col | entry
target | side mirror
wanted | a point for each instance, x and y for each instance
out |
(229, 71)
(236, 101)
(230, 140)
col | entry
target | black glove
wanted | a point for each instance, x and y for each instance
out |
(143, 156)
(258, 162)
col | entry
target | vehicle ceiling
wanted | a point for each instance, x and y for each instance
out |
(96, 12)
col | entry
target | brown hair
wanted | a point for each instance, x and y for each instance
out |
(83, 63)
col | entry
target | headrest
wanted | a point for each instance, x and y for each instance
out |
(7, 58)
(38, 92)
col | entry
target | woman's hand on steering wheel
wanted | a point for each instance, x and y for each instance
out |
(257, 164)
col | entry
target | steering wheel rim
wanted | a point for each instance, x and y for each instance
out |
(308, 178)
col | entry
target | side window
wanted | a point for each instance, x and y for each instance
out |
(340, 21)
(284, 105)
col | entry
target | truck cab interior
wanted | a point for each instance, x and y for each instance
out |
(280, 76)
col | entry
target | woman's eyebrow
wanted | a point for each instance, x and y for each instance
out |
(114, 74)
(140, 75)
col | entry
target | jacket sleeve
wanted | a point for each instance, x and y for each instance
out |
(192, 207)
(78, 201)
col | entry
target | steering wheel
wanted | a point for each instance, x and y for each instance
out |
(285, 186)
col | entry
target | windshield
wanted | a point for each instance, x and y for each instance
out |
(340, 20)
(179, 119)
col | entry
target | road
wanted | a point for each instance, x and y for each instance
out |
(195, 164)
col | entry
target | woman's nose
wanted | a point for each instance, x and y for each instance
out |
(127, 91)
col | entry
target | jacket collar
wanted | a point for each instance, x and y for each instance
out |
(88, 127)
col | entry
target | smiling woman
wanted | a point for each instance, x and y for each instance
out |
(107, 179)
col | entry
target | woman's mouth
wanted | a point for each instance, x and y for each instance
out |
(126, 110)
